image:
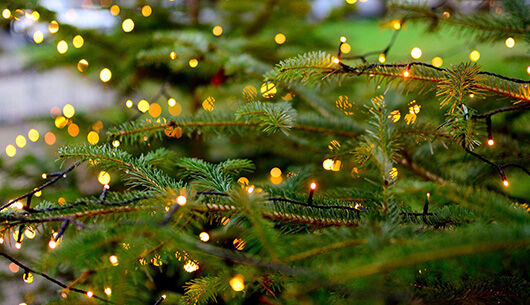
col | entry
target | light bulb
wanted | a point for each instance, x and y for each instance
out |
(491, 142)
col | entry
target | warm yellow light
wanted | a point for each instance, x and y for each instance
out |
(415, 53)
(345, 48)
(68, 110)
(6, 13)
(474, 55)
(30, 233)
(78, 41)
(143, 106)
(351, 1)
(336, 165)
(313, 185)
(108, 291)
(406, 73)
(20, 140)
(437, 61)
(336, 60)
(505, 182)
(62, 47)
(52, 244)
(193, 62)
(73, 130)
(396, 24)
(89, 294)
(276, 172)
(17, 205)
(18, 245)
(114, 260)
(172, 54)
(49, 138)
(127, 25)
(276, 180)
(105, 75)
(38, 194)
(171, 102)
(510, 42)
(82, 64)
(93, 138)
(33, 135)
(250, 189)
(11, 150)
(191, 266)
(128, 103)
(114, 10)
(60, 121)
(280, 38)
(268, 90)
(115, 143)
(181, 200)
(35, 15)
(217, 30)
(38, 37)
(155, 110)
(28, 278)
(327, 164)
(53, 27)
(491, 142)
(104, 178)
(146, 11)
(382, 58)
(204, 236)
(237, 283)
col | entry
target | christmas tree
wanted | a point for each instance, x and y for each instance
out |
(257, 154)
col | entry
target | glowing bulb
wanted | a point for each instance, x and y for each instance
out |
(237, 283)
(505, 182)
(52, 244)
(127, 25)
(406, 73)
(108, 291)
(93, 137)
(128, 104)
(114, 10)
(172, 54)
(280, 38)
(428, 195)
(17, 205)
(115, 143)
(20, 140)
(217, 30)
(510, 42)
(345, 48)
(146, 11)
(382, 58)
(415, 53)
(313, 185)
(62, 47)
(89, 294)
(33, 135)
(30, 233)
(18, 245)
(78, 41)
(437, 61)
(204, 236)
(528, 69)
(250, 189)
(104, 177)
(114, 260)
(53, 27)
(396, 24)
(6, 13)
(327, 164)
(336, 60)
(276, 172)
(143, 106)
(1, 240)
(82, 64)
(68, 110)
(191, 266)
(491, 142)
(474, 55)
(342, 39)
(164, 296)
(193, 62)
(181, 200)
(105, 75)
(38, 37)
(171, 102)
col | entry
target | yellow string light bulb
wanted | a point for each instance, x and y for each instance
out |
(38, 37)
(30, 233)
(505, 182)
(268, 90)
(382, 58)
(105, 75)
(510, 42)
(491, 142)
(20, 140)
(89, 294)
(250, 189)
(108, 291)
(52, 244)
(6, 13)
(68, 110)
(115, 143)
(351, 1)
(62, 47)
(276, 172)
(33, 135)
(193, 62)
(171, 102)
(173, 55)
(127, 25)
(114, 260)
(129, 104)
(181, 200)
(204, 236)
(53, 27)
(143, 106)
(396, 24)
(336, 60)
(104, 178)
(237, 283)
(437, 61)
(11, 150)
(415, 53)
(406, 73)
(474, 55)
(280, 38)
(217, 30)
(313, 186)
(93, 137)
(345, 48)
(146, 11)
(18, 245)
(115, 10)
(82, 64)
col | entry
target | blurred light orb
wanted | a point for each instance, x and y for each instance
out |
(127, 25)
(78, 41)
(33, 135)
(474, 55)
(105, 75)
(68, 110)
(73, 130)
(173, 55)
(276, 172)
(82, 64)
(129, 104)
(171, 102)
(382, 58)
(62, 47)
(104, 178)
(53, 27)
(345, 48)
(280, 38)
(217, 30)
(6, 13)
(38, 37)
(510, 42)
(146, 11)
(115, 10)
(49, 138)
(415, 53)
(20, 140)
(11, 150)
(237, 283)
(437, 61)
(351, 1)
(93, 138)
(204, 236)
(143, 106)
(193, 62)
